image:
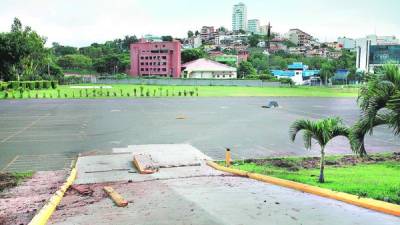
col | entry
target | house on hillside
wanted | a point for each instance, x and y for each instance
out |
(300, 74)
(208, 69)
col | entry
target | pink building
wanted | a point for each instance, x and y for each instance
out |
(156, 59)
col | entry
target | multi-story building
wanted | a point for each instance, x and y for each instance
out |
(239, 17)
(299, 37)
(207, 33)
(253, 26)
(299, 73)
(376, 50)
(156, 59)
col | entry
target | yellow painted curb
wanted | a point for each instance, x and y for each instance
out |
(368, 203)
(45, 213)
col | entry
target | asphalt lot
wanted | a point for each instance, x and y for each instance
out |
(53, 131)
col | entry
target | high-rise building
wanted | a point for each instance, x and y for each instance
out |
(239, 17)
(299, 37)
(253, 26)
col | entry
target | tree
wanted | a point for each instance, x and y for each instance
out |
(60, 50)
(327, 71)
(188, 55)
(190, 34)
(322, 131)
(22, 53)
(241, 31)
(197, 33)
(245, 69)
(253, 40)
(379, 100)
(76, 61)
(166, 38)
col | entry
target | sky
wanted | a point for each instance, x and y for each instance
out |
(82, 22)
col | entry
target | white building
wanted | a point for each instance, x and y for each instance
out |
(347, 43)
(239, 17)
(387, 52)
(253, 26)
(208, 69)
(299, 37)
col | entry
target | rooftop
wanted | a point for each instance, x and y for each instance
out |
(207, 65)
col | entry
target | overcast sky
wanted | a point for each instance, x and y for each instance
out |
(82, 22)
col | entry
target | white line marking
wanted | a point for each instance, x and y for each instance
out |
(23, 129)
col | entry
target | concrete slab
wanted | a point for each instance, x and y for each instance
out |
(168, 155)
(174, 161)
(216, 200)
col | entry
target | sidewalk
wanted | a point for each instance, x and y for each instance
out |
(195, 195)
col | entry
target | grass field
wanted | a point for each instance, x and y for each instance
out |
(127, 90)
(378, 179)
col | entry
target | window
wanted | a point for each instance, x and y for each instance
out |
(142, 63)
(141, 69)
(164, 57)
(146, 57)
(164, 69)
(156, 46)
(142, 57)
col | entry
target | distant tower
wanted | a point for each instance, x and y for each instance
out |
(268, 36)
(239, 17)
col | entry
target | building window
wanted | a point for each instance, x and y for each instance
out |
(156, 46)
(141, 69)
(141, 57)
(146, 57)
(164, 69)
(164, 57)
(142, 63)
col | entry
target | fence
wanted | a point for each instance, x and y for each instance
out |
(191, 82)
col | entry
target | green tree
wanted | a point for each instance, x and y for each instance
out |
(322, 131)
(254, 39)
(379, 100)
(245, 69)
(60, 50)
(188, 55)
(190, 34)
(167, 38)
(327, 71)
(76, 61)
(22, 53)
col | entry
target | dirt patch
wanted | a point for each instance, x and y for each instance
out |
(313, 162)
(18, 205)
(7, 180)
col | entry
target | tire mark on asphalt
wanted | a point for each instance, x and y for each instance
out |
(24, 129)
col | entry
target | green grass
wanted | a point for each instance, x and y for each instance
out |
(203, 91)
(9, 180)
(374, 180)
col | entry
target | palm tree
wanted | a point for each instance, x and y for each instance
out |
(379, 100)
(322, 131)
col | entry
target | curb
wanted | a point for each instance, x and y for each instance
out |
(45, 213)
(368, 203)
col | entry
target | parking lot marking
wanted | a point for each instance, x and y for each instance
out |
(24, 129)
(8, 164)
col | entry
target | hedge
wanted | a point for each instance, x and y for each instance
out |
(31, 85)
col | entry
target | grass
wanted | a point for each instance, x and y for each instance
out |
(379, 179)
(9, 180)
(203, 91)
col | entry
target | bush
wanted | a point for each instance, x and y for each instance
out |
(24, 85)
(58, 93)
(21, 93)
(5, 94)
(54, 84)
(39, 84)
(3, 86)
(46, 84)
(14, 85)
(286, 81)
(31, 85)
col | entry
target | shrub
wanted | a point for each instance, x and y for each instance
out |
(5, 94)
(31, 85)
(141, 91)
(94, 92)
(39, 84)
(166, 93)
(108, 93)
(154, 92)
(13, 95)
(51, 96)
(24, 85)
(46, 84)
(179, 93)
(101, 91)
(80, 93)
(37, 95)
(54, 84)
(115, 94)
(191, 93)
(14, 85)
(127, 94)
(58, 93)
(87, 93)
(29, 94)
(120, 91)
(44, 94)
(73, 94)
(147, 93)
(65, 95)
(184, 93)
(21, 93)
(134, 92)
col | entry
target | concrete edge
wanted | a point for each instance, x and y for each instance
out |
(45, 213)
(368, 203)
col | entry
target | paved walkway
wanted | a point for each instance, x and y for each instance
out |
(201, 195)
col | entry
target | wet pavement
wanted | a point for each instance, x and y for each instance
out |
(52, 130)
